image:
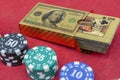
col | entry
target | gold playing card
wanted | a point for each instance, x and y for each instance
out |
(96, 31)
(54, 18)
(52, 23)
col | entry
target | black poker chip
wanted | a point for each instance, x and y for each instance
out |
(12, 49)
(15, 57)
(12, 64)
(12, 44)
(12, 60)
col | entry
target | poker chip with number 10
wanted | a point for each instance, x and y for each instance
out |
(76, 71)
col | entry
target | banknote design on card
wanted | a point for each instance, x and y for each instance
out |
(55, 18)
(52, 23)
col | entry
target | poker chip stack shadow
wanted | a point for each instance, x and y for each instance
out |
(76, 71)
(41, 63)
(12, 49)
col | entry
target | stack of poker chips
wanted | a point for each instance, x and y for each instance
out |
(12, 49)
(41, 63)
(76, 71)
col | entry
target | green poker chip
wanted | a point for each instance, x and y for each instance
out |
(40, 58)
(53, 70)
(41, 63)
(41, 75)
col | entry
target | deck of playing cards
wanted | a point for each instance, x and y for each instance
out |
(52, 23)
(96, 32)
(70, 27)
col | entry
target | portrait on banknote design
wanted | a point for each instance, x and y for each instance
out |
(94, 26)
(53, 17)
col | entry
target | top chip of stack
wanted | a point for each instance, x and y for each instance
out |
(12, 44)
(12, 47)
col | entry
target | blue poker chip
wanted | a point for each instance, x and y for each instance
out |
(76, 71)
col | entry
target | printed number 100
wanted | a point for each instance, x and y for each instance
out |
(77, 74)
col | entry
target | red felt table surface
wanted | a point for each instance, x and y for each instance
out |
(105, 66)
